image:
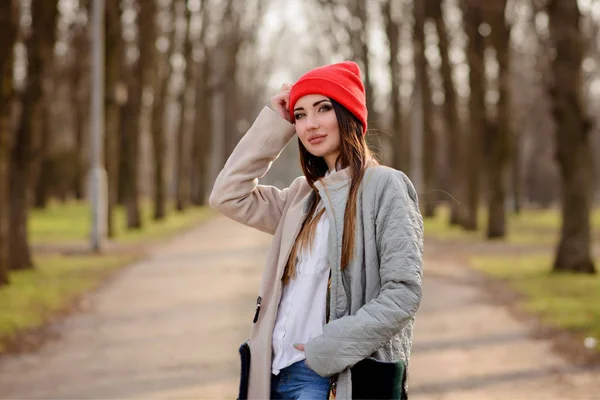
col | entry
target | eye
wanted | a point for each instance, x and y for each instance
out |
(325, 107)
(298, 116)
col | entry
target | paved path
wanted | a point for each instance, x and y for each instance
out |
(169, 327)
(467, 347)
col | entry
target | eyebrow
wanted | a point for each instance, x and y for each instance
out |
(314, 105)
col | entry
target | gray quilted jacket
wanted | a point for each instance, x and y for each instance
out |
(376, 297)
(374, 300)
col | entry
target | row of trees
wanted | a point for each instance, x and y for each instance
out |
(171, 66)
(480, 85)
(486, 77)
(488, 83)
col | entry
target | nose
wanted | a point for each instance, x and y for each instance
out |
(311, 123)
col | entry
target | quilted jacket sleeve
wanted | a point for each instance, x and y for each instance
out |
(399, 240)
(236, 192)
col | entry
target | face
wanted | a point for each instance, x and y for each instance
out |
(317, 127)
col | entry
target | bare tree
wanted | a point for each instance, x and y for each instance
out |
(424, 86)
(183, 155)
(499, 138)
(163, 72)
(202, 126)
(392, 20)
(7, 40)
(41, 176)
(573, 151)
(451, 120)
(239, 27)
(148, 57)
(78, 75)
(39, 44)
(358, 26)
(60, 171)
(352, 18)
(232, 40)
(113, 61)
(473, 18)
(136, 76)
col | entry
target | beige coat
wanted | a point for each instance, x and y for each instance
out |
(373, 301)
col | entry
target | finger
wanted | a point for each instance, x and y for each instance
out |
(299, 347)
(282, 111)
(286, 101)
(285, 104)
(286, 86)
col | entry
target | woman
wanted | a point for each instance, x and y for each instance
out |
(342, 281)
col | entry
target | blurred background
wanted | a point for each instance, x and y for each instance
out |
(491, 107)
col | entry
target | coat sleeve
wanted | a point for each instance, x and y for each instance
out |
(399, 240)
(236, 192)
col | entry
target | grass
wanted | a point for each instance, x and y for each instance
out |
(530, 227)
(70, 222)
(563, 300)
(35, 296)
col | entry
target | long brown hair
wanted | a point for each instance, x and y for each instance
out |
(354, 153)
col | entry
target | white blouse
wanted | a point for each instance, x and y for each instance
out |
(302, 309)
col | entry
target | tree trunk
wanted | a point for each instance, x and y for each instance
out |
(80, 105)
(202, 126)
(429, 153)
(44, 179)
(7, 39)
(572, 138)
(114, 52)
(158, 147)
(80, 69)
(159, 123)
(130, 181)
(183, 181)
(136, 81)
(124, 122)
(360, 52)
(202, 134)
(361, 13)
(516, 175)
(500, 138)
(148, 57)
(233, 41)
(450, 111)
(43, 182)
(25, 156)
(477, 117)
(392, 28)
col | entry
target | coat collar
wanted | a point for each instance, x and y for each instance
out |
(335, 177)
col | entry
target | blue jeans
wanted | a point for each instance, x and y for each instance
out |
(299, 382)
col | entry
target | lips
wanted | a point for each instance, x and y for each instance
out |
(314, 139)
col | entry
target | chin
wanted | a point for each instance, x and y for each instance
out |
(318, 152)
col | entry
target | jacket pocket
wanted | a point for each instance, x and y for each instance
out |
(374, 379)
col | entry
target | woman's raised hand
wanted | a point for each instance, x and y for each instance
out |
(281, 102)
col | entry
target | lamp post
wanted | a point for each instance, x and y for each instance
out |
(97, 174)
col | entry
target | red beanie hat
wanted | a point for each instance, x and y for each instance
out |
(340, 82)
